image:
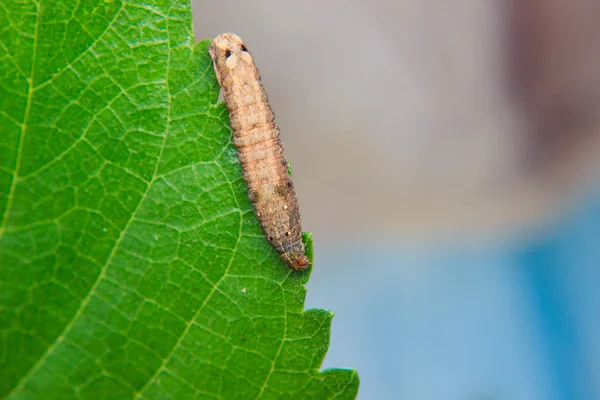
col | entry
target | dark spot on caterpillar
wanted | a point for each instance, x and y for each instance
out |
(281, 189)
(253, 195)
(227, 53)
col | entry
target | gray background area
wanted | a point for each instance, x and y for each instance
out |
(432, 147)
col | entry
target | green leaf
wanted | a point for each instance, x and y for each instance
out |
(131, 263)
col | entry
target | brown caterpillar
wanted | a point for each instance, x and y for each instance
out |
(265, 169)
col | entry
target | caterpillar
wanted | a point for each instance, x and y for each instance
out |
(260, 151)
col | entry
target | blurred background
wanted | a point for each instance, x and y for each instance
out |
(447, 160)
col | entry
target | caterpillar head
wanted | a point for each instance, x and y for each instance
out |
(229, 52)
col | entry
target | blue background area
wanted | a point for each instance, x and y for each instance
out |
(513, 320)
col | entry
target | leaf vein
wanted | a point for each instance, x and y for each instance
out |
(191, 323)
(280, 348)
(14, 182)
(83, 52)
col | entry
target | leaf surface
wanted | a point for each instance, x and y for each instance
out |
(131, 263)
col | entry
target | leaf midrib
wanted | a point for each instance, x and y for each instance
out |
(123, 233)
(30, 90)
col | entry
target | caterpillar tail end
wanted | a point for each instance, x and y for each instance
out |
(299, 262)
